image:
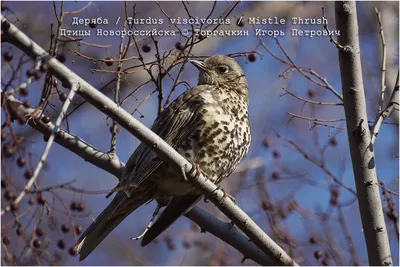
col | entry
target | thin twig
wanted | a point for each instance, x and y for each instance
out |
(383, 70)
(74, 88)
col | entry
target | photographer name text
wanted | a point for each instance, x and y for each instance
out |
(301, 27)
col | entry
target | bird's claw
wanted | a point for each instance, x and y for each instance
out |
(226, 194)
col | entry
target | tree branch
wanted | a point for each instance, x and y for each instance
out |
(361, 147)
(274, 253)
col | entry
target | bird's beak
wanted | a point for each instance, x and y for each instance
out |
(199, 64)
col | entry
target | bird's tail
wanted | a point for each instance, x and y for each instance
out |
(119, 208)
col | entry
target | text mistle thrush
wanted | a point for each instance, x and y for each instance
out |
(208, 125)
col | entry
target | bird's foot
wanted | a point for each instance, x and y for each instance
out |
(226, 194)
(195, 169)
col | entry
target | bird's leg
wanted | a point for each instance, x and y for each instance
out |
(195, 169)
(155, 213)
(226, 194)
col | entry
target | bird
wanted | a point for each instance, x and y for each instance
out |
(209, 125)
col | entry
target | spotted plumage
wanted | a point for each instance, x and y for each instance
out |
(208, 124)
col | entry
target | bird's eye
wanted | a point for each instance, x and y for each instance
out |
(222, 69)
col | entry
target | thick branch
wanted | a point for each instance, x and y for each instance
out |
(361, 148)
(276, 254)
(114, 166)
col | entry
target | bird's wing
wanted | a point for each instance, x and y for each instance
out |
(177, 207)
(173, 125)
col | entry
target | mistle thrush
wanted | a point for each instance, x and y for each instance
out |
(208, 125)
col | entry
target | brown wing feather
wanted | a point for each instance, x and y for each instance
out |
(144, 161)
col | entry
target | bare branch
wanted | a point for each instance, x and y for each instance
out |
(361, 147)
(274, 253)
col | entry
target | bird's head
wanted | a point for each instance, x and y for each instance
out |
(222, 71)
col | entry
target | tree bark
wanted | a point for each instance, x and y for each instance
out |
(361, 147)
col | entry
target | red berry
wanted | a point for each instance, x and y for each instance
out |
(61, 58)
(72, 251)
(6, 240)
(39, 232)
(317, 254)
(65, 228)
(60, 134)
(30, 72)
(3, 6)
(275, 175)
(8, 56)
(276, 154)
(4, 183)
(109, 63)
(8, 150)
(61, 244)
(78, 229)
(146, 48)
(80, 207)
(14, 207)
(46, 119)
(37, 243)
(74, 206)
(252, 57)
(41, 200)
(179, 46)
(21, 161)
(27, 104)
(28, 174)
(333, 141)
(44, 68)
(62, 97)
(8, 195)
(20, 231)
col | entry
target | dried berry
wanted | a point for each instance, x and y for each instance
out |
(333, 141)
(74, 206)
(30, 72)
(28, 174)
(6, 240)
(80, 207)
(109, 63)
(44, 68)
(27, 104)
(72, 251)
(62, 97)
(41, 200)
(14, 207)
(317, 254)
(65, 228)
(8, 56)
(179, 46)
(61, 58)
(20, 231)
(21, 161)
(39, 232)
(146, 48)
(37, 243)
(8, 151)
(61, 244)
(275, 175)
(9, 195)
(276, 154)
(60, 134)
(46, 119)
(78, 229)
(4, 183)
(252, 57)
(3, 6)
